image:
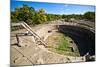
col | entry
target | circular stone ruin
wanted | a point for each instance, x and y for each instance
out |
(65, 44)
(71, 41)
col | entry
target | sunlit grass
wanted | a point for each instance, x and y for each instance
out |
(61, 45)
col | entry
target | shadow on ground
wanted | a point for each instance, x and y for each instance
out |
(84, 39)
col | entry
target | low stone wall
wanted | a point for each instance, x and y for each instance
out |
(84, 38)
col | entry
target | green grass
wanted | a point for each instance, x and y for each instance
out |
(64, 46)
(63, 43)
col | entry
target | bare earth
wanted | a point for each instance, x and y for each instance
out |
(31, 54)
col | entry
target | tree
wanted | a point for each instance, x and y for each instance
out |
(40, 17)
(28, 15)
(90, 16)
(24, 13)
(41, 11)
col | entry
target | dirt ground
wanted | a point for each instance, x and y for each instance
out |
(31, 53)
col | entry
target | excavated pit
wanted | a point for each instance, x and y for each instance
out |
(84, 38)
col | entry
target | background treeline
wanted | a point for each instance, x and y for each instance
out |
(31, 16)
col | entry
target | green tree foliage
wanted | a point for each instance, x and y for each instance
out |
(31, 16)
(52, 17)
(28, 14)
(40, 17)
(76, 16)
(90, 16)
(41, 11)
(24, 13)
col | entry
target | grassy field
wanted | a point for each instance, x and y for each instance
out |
(60, 43)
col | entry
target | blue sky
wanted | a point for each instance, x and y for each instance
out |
(54, 8)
